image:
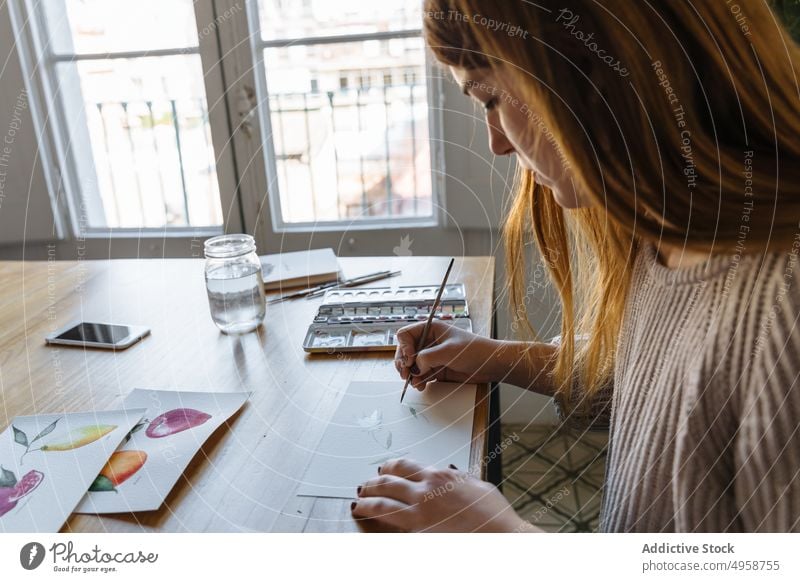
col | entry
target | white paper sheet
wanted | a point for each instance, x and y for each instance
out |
(433, 427)
(145, 468)
(48, 462)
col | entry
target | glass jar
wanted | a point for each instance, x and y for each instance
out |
(234, 284)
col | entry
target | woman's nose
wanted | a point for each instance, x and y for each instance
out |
(498, 142)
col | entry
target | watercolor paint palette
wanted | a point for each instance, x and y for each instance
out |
(358, 320)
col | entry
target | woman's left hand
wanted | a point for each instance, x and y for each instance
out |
(406, 496)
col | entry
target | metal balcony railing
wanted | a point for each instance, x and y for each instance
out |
(363, 150)
(158, 152)
(376, 140)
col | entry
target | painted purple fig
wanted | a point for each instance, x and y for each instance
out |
(10, 495)
(175, 421)
(6, 504)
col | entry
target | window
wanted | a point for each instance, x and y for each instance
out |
(341, 90)
(127, 99)
(355, 149)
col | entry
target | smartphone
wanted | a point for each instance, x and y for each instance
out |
(98, 335)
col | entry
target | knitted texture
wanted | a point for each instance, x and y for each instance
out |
(704, 411)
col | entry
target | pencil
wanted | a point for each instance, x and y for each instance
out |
(424, 337)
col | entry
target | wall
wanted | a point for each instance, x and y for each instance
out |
(23, 189)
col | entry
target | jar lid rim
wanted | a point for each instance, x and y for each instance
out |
(229, 245)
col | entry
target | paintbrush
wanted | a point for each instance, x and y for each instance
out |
(424, 337)
(320, 289)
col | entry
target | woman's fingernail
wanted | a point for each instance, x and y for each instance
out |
(352, 506)
(358, 490)
(414, 369)
(452, 466)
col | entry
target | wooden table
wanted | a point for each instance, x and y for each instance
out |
(245, 477)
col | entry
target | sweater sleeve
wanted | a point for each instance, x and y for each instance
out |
(589, 412)
(767, 445)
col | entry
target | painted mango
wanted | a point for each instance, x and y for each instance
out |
(10, 495)
(120, 467)
(80, 437)
(175, 421)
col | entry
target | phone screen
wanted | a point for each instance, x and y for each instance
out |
(97, 333)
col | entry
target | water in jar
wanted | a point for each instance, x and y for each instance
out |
(236, 297)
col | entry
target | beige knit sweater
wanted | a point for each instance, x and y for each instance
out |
(705, 405)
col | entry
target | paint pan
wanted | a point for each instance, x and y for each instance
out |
(368, 319)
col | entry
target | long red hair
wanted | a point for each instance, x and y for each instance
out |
(678, 119)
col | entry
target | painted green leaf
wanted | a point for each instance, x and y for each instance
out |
(7, 478)
(102, 483)
(413, 411)
(46, 431)
(20, 437)
(389, 441)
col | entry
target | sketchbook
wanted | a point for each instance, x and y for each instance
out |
(299, 269)
(371, 426)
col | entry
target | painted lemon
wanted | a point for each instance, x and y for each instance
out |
(80, 437)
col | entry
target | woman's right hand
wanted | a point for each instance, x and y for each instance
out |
(451, 354)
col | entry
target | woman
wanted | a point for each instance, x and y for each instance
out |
(657, 147)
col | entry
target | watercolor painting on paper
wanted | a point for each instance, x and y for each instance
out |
(145, 468)
(371, 426)
(48, 461)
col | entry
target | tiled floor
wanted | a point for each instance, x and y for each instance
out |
(553, 476)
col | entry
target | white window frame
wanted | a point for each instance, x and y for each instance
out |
(38, 64)
(434, 93)
(469, 198)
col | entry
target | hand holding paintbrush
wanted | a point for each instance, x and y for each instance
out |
(424, 336)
